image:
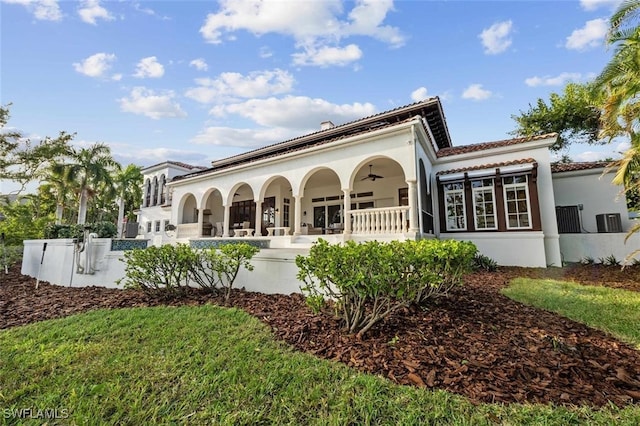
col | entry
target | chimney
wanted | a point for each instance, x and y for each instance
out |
(326, 125)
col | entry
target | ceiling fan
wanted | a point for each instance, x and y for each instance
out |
(371, 176)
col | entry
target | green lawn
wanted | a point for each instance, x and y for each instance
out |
(612, 310)
(208, 365)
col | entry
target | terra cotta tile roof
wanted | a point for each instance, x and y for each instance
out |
(487, 166)
(572, 167)
(455, 150)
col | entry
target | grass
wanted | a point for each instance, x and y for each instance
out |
(206, 364)
(615, 311)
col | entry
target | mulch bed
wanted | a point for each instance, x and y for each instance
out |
(475, 342)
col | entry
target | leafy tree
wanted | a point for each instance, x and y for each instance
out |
(90, 167)
(573, 114)
(22, 221)
(22, 160)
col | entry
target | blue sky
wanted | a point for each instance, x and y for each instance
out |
(195, 81)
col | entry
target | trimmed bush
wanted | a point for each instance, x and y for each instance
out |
(169, 270)
(163, 270)
(217, 269)
(371, 280)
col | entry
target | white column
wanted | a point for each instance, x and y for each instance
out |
(258, 226)
(200, 220)
(225, 224)
(413, 206)
(297, 214)
(347, 207)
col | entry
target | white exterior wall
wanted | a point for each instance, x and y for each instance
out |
(595, 192)
(508, 248)
(519, 243)
(274, 270)
(575, 247)
(59, 264)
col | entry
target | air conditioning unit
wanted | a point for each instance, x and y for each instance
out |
(609, 222)
(568, 219)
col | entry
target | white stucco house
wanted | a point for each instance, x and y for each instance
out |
(393, 175)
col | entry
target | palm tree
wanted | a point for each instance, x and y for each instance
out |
(619, 84)
(59, 182)
(128, 182)
(90, 167)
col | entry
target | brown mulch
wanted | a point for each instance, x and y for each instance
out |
(475, 342)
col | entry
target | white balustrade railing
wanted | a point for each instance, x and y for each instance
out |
(385, 220)
(187, 230)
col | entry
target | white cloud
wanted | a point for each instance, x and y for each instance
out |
(476, 92)
(315, 27)
(149, 156)
(244, 138)
(591, 5)
(419, 94)
(43, 10)
(148, 11)
(588, 156)
(623, 146)
(200, 64)
(295, 112)
(325, 56)
(591, 35)
(265, 52)
(496, 39)
(235, 85)
(149, 67)
(91, 10)
(558, 80)
(95, 65)
(146, 102)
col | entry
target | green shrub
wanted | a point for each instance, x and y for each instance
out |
(103, 229)
(214, 269)
(9, 255)
(371, 280)
(438, 265)
(163, 270)
(484, 263)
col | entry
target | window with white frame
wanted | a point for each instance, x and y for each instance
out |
(517, 203)
(484, 204)
(157, 228)
(149, 226)
(455, 206)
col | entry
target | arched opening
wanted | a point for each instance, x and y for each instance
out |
(163, 190)
(212, 214)
(147, 193)
(189, 210)
(277, 205)
(323, 203)
(154, 192)
(242, 213)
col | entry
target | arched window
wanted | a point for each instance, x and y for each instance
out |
(163, 189)
(147, 193)
(154, 194)
(425, 201)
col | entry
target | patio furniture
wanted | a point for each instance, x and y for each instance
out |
(271, 229)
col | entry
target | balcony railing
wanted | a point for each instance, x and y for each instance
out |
(386, 220)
